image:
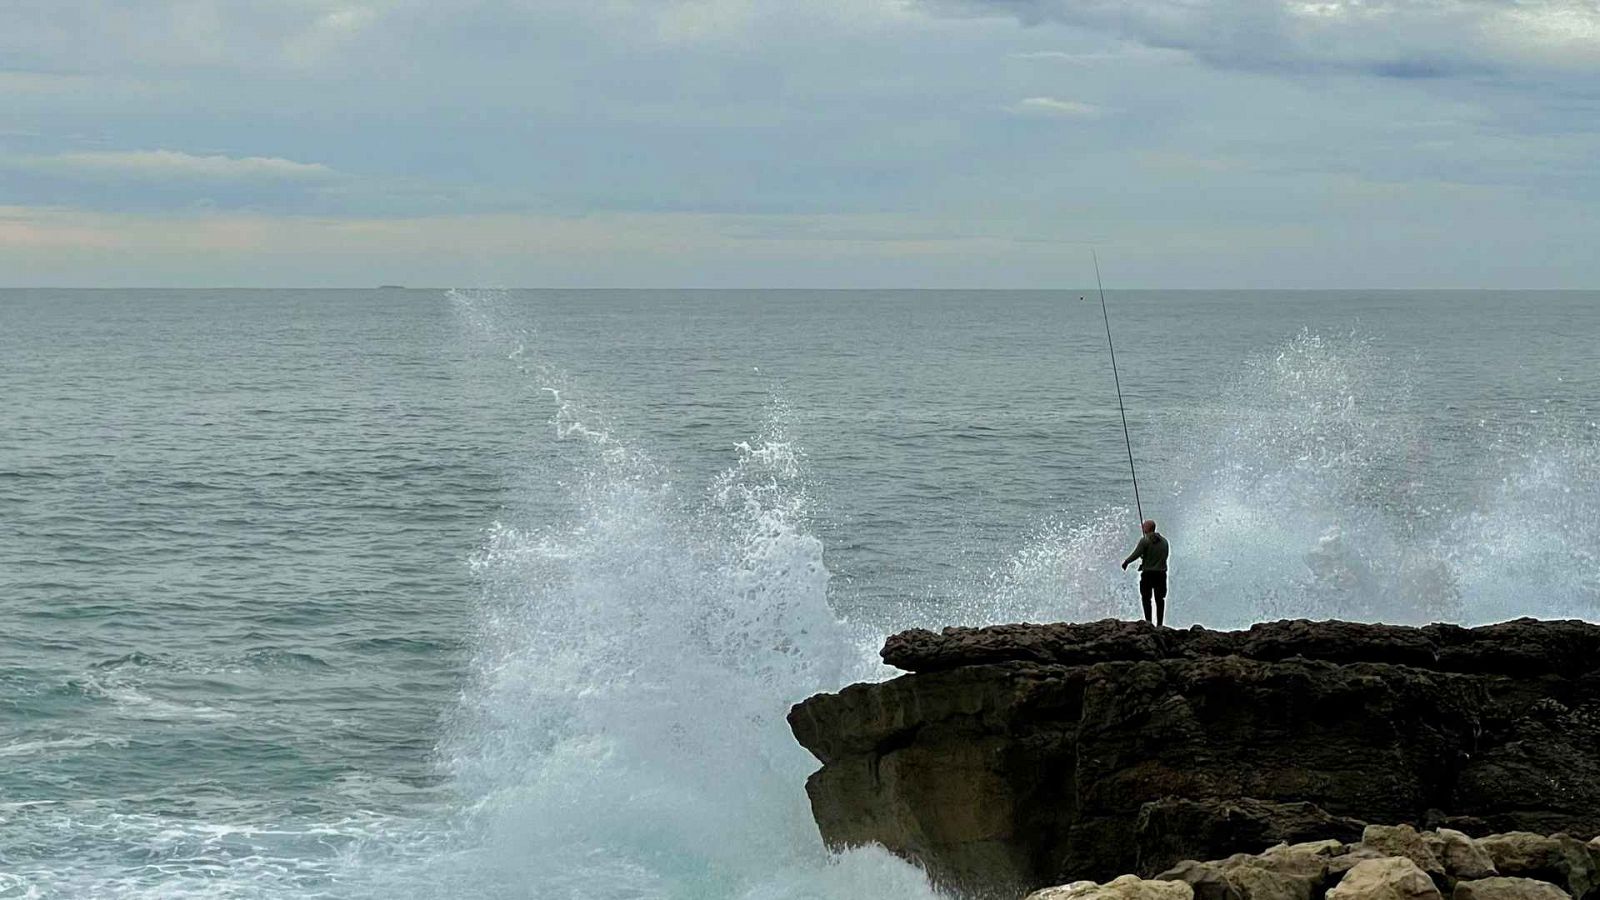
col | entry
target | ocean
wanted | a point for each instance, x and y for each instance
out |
(505, 594)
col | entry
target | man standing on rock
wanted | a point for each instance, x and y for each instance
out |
(1151, 551)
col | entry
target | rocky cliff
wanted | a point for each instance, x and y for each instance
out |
(1020, 756)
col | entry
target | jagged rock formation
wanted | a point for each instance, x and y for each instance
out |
(1387, 863)
(1026, 755)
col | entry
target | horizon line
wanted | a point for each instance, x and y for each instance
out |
(700, 289)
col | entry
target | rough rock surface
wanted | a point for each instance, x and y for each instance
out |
(1264, 883)
(1559, 859)
(1177, 828)
(1463, 857)
(1208, 880)
(1508, 889)
(1025, 755)
(1128, 887)
(1328, 869)
(1403, 840)
(1390, 878)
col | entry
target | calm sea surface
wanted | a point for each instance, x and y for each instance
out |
(504, 594)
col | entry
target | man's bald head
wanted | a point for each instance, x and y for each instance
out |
(1149, 526)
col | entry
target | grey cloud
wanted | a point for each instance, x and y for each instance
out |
(1405, 39)
(837, 128)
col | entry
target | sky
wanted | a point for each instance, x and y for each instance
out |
(800, 143)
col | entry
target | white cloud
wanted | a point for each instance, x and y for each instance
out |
(1052, 106)
(330, 33)
(1562, 33)
(176, 166)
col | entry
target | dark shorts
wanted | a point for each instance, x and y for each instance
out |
(1152, 584)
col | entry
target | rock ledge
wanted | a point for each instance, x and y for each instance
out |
(1020, 756)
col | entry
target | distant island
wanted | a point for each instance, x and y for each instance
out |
(391, 287)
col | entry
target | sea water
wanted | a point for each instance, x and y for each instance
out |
(487, 594)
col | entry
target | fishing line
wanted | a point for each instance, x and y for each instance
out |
(1128, 441)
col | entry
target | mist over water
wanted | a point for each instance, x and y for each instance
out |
(706, 509)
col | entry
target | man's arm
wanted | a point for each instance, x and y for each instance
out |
(1138, 551)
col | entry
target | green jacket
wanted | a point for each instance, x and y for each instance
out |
(1153, 550)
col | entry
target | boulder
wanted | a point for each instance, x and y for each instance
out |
(1462, 857)
(1256, 882)
(1308, 859)
(1559, 859)
(1327, 848)
(1207, 880)
(1390, 878)
(1403, 840)
(1128, 887)
(1076, 891)
(1508, 889)
(1344, 862)
(1349, 859)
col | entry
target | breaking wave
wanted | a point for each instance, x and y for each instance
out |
(1308, 491)
(623, 734)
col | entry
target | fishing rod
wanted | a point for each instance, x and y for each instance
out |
(1118, 380)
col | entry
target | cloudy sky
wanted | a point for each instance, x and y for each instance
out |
(916, 143)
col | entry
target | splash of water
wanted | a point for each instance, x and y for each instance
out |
(623, 732)
(1528, 545)
(1299, 495)
(623, 735)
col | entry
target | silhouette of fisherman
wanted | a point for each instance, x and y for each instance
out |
(1151, 551)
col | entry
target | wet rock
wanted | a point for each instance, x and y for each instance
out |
(1520, 649)
(1501, 888)
(1462, 856)
(1390, 878)
(1344, 862)
(1030, 755)
(1207, 880)
(1308, 860)
(1177, 828)
(1326, 848)
(1403, 840)
(1128, 887)
(1256, 882)
(1559, 859)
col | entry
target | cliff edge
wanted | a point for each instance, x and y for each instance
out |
(1018, 756)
